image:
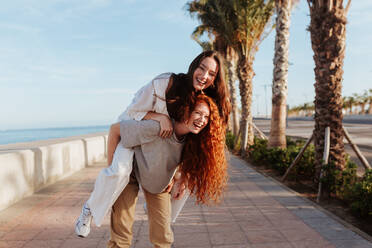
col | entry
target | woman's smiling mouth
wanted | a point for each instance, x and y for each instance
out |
(201, 82)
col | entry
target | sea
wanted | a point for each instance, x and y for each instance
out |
(27, 135)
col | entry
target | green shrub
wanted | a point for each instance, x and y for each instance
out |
(344, 184)
(361, 196)
(258, 151)
(280, 159)
(340, 183)
(290, 141)
(305, 169)
(230, 139)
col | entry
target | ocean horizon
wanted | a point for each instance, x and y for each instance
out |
(34, 134)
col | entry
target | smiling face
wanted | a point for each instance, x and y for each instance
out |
(199, 118)
(205, 74)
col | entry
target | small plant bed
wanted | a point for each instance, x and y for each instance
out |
(347, 195)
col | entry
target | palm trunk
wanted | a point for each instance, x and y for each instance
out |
(351, 109)
(328, 35)
(362, 107)
(369, 111)
(231, 68)
(245, 75)
(230, 127)
(279, 99)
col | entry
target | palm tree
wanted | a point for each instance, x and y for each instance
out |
(231, 61)
(364, 98)
(221, 45)
(242, 24)
(328, 33)
(369, 111)
(357, 102)
(277, 136)
(296, 110)
(213, 23)
(252, 20)
(345, 105)
(351, 103)
(310, 109)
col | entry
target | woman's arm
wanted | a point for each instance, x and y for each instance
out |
(113, 141)
(130, 133)
(146, 101)
(166, 126)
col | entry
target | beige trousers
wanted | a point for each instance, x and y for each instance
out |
(122, 217)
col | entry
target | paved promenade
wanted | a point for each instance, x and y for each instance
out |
(257, 212)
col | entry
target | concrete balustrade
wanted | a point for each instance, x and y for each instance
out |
(58, 160)
(25, 171)
(94, 152)
(17, 170)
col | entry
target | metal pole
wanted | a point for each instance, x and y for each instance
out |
(265, 86)
(286, 117)
(258, 111)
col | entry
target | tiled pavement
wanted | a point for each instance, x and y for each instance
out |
(256, 212)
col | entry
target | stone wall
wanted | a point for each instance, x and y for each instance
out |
(25, 171)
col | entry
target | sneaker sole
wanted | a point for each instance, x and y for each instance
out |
(79, 235)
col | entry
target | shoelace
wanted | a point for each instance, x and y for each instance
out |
(86, 216)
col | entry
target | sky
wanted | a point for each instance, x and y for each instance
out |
(79, 62)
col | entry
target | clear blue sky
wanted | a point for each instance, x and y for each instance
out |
(79, 62)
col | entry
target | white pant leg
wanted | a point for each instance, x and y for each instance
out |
(177, 205)
(110, 182)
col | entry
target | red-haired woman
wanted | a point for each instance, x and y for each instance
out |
(200, 130)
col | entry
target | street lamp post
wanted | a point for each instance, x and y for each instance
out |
(265, 86)
(258, 111)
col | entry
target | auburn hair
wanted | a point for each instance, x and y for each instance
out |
(182, 88)
(203, 158)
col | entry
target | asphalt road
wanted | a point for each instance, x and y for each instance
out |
(361, 134)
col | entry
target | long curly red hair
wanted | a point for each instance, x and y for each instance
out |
(203, 158)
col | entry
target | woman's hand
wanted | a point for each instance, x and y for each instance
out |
(166, 126)
(179, 191)
(168, 189)
(179, 186)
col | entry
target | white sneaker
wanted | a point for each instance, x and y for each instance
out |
(82, 226)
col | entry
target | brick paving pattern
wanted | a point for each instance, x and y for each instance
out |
(256, 212)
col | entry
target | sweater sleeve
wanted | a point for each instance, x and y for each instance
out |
(134, 133)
